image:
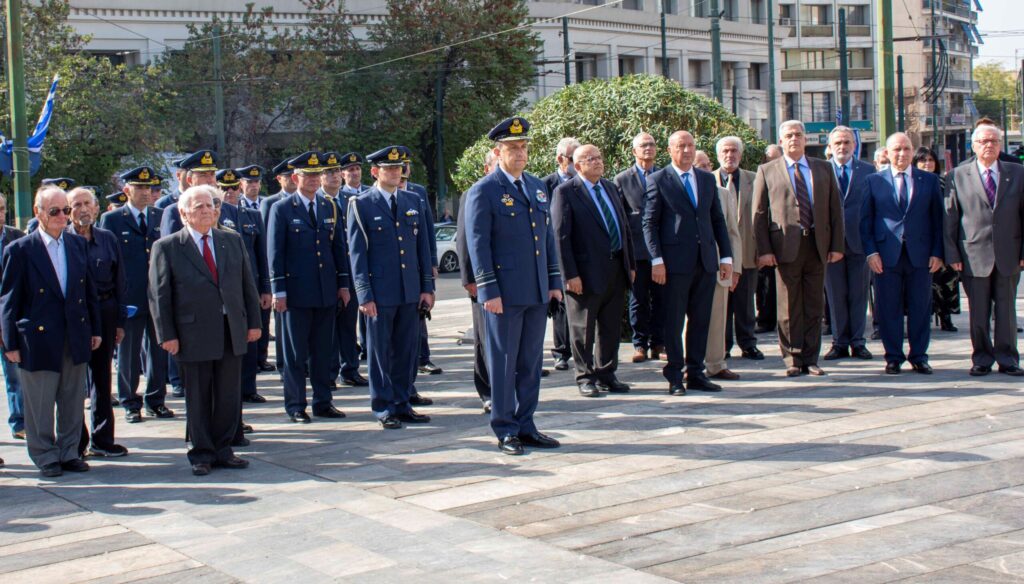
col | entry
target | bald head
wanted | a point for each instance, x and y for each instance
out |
(900, 151)
(682, 148)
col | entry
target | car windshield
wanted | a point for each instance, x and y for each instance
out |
(445, 234)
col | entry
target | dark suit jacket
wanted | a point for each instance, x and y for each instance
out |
(980, 237)
(551, 183)
(853, 203)
(37, 318)
(777, 217)
(135, 249)
(582, 239)
(675, 231)
(884, 228)
(10, 234)
(632, 191)
(187, 305)
(465, 262)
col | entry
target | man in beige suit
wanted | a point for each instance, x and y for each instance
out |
(740, 321)
(714, 358)
(798, 227)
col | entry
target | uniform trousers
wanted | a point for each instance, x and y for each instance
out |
(392, 340)
(515, 351)
(140, 330)
(308, 338)
(45, 391)
(801, 304)
(101, 411)
(345, 360)
(264, 342)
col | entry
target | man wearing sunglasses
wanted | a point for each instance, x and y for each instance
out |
(51, 325)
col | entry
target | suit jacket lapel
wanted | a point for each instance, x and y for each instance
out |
(192, 252)
(45, 265)
(974, 178)
(581, 192)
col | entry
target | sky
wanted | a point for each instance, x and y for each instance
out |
(1002, 28)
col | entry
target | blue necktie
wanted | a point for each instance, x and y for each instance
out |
(689, 190)
(642, 175)
(904, 199)
(844, 181)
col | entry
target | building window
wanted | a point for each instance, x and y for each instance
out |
(758, 75)
(586, 66)
(698, 74)
(757, 12)
(821, 106)
(816, 14)
(670, 6)
(791, 106)
(633, 4)
(786, 15)
(629, 65)
(855, 15)
(730, 7)
(700, 8)
(673, 68)
(127, 58)
(860, 105)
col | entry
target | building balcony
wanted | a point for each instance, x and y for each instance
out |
(950, 8)
(825, 74)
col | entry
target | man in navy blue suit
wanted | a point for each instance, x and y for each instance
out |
(51, 325)
(846, 281)
(901, 229)
(512, 245)
(686, 234)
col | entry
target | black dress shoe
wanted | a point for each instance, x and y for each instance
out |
(510, 445)
(160, 411)
(837, 353)
(813, 370)
(979, 370)
(328, 412)
(300, 418)
(561, 364)
(538, 440)
(362, 356)
(754, 354)
(418, 400)
(487, 406)
(51, 470)
(429, 368)
(589, 389)
(390, 422)
(266, 368)
(201, 469)
(613, 386)
(875, 335)
(1011, 370)
(862, 352)
(411, 417)
(241, 442)
(246, 428)
(826, 331)
(794, 371)
(75, 465)
(892, 368)
(700, 382)
(178, 391)
(676, 389)
(544, 373)
(133, 416)
(923, 367)
(946, 323)
(254, 399)
(355, 380)
(233, 462)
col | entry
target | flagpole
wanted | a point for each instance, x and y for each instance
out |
(19, 128)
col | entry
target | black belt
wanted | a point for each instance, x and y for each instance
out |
(103, 296)
(807, 232)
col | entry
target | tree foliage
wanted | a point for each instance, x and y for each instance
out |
(994, 85)
(609, 113)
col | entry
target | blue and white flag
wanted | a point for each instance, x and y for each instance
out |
(35, 140)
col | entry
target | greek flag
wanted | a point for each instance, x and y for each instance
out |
(35, 140)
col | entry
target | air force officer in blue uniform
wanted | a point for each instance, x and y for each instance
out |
(309, 276)
(512, 245)
(390, 246)
(901, 228)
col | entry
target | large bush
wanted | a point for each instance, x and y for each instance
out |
(608, 113)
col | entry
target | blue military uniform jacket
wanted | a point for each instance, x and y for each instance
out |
(37, 318)
(421, 192)
(166, 200)
(511, 241)
(308, 263)
(135, 250)
(390, 255)
(249, 224)
(341, 203)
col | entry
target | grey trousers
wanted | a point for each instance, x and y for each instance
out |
(43, 390)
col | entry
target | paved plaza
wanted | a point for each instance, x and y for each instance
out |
(858, 477)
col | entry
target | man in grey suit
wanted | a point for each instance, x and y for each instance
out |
(987, 252)
(206, 309)
(846, 281)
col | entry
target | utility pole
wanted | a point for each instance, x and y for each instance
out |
(19, 127)
(844, 72)
(733, 99)
(772, 120)
(1006, 129)
(442, 186)
(664, 43)
(935, 68)
(886, 116)
(902, 123)
(565, 49)
(716, 53)
(218, 94)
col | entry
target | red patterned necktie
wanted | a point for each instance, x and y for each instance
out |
(208, 258)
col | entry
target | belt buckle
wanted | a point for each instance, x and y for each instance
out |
(805, 232)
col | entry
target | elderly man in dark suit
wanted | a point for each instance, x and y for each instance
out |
(798, 227)
(559, 318)
(686, 233)
(207, 310)
(846, 281)
(51, 325)
(901, 227)
(646, 299)
(596, 259)
(987, 251)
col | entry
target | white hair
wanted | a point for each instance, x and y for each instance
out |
(77, 190)
(772, 148)
(565, 144)
(46, 192)
(636, 139)
(838, 129)
(185, 200)
(788, 123)
(986, 128)
(734, 140)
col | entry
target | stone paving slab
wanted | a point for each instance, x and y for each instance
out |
(856, 477)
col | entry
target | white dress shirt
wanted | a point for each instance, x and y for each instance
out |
(58, 258)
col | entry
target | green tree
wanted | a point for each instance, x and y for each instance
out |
(994, 85)
(609, 113)
(104, 113)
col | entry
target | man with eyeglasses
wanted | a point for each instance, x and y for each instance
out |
(51, 325)
(137, 226)
(646, 302)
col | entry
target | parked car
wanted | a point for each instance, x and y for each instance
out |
(447, 257)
